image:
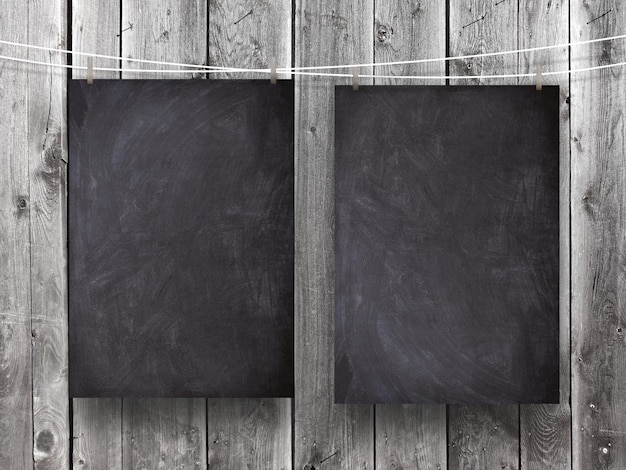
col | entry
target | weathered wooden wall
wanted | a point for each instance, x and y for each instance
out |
(586, 431)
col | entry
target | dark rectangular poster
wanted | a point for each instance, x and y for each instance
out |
(447, 245)
(181, 238)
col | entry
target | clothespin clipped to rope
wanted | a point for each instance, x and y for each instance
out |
(355, 78)
(89, 70)
(273, 70)
(539, 79)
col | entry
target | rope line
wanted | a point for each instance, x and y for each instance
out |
(309, 70)
(318, 74)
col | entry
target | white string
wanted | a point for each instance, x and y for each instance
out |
(465, 77)
(103, 56)
(459, 57)
(295, 69)
(114, 69)
(319, 74)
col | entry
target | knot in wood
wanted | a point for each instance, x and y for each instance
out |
(383, 33)
(45, 441)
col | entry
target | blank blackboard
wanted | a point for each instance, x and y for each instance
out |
(447, 245)
(181, 238)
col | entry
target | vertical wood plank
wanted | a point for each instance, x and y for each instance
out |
(598, 208)
(164, 433)
(15, 333)
(249, 433)
(340, 436)
(97, 433)
(97, 428)
(164, 30)
(483, 436)
(47, 150)
(478, 26)
(409, 31)
(410, 436)
(248, 34)
(96, 29)
(545, 430)
(97, 422)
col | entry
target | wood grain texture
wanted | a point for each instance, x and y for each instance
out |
(598, 240)
(97, 433)
(598, 199)
(164, 30)
(409, 31)
(483, 437)
(16, 419)
(477, 26)
(96, 29)
(249, 433)
(164, 433)
(545, 430)
(249, 34)
(410, 434)
(340, 436)
(47, 151)
(97, 422)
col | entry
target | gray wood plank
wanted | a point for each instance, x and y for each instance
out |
(164, 433)
(249, 433)
(96, 29)
(97, 423)
(164, 30)
(249, 34)
(97, 433)
(545, 430)
(483, 437)
(173, 32)
(410, 436)
(409, 31)
(15, 333)
(47, 151)
(478, 26)
(340, 436)
(598, 205)
(545, 434)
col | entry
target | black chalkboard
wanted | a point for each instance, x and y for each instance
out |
(447, 245)
(181, 238)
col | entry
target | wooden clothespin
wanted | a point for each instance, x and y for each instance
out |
(89, 70)
(355, 78)
(273, 71)
(539, 79)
